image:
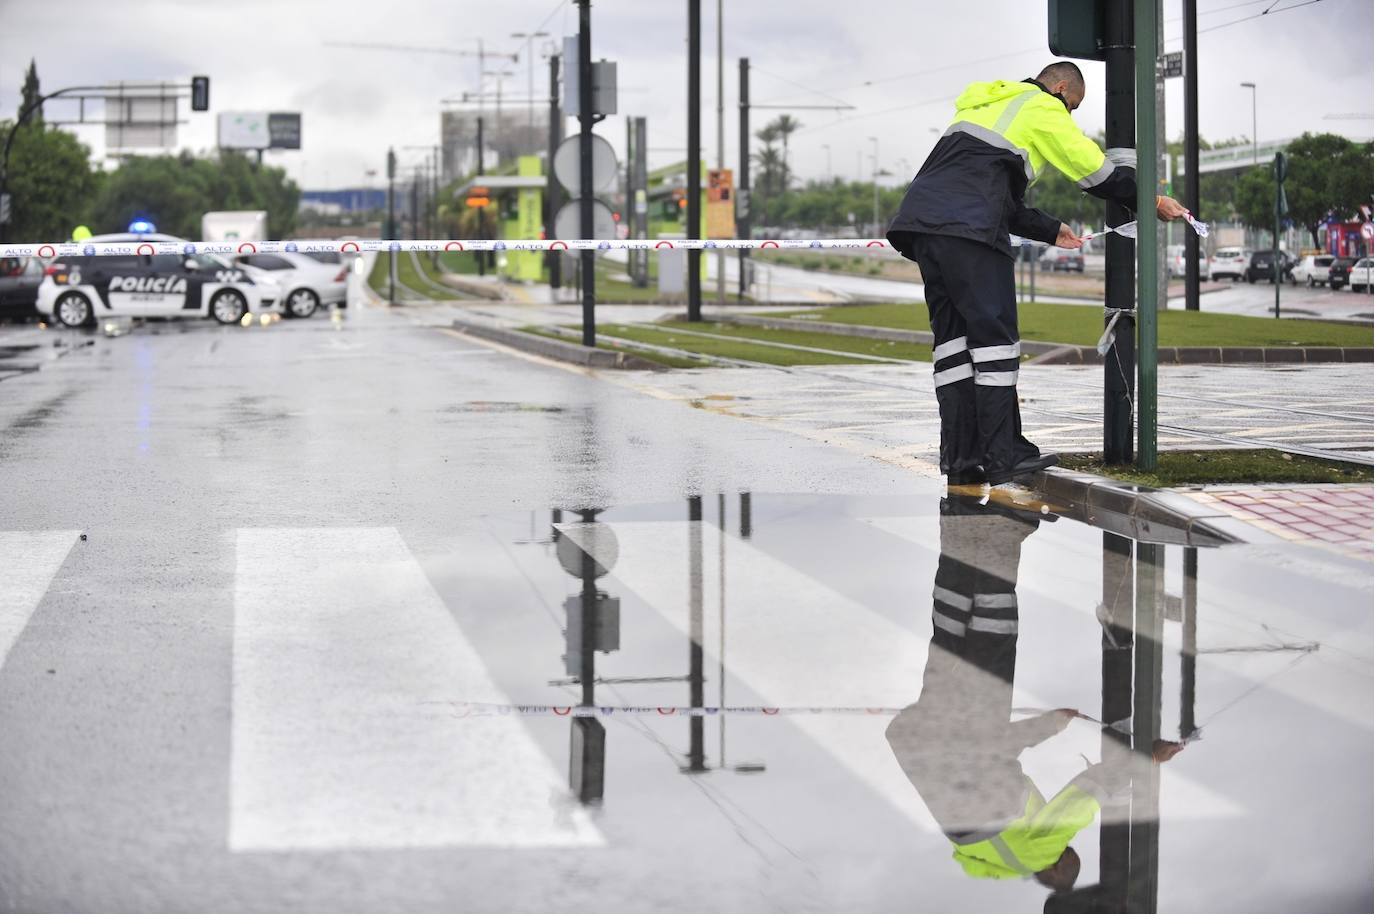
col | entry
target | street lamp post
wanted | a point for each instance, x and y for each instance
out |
(874, 141)
(1254, 117)
(826, 147)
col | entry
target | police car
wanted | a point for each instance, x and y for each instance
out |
(81, 290)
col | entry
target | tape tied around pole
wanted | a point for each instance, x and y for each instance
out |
(1108, 338)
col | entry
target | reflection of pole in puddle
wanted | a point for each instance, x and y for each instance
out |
(1116, 612)
(593, 623)
(696, 670)
(1143, 883)
(1187, 723)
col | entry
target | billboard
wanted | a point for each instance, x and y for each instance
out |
(243, 130)
(140, 118)
(284, 130)
(259, 130)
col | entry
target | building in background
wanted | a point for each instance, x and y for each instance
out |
(508, 132)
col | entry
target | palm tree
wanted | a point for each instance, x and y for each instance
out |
(770, 165)
(785, 125)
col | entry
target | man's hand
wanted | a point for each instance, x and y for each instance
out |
(1067, 239)
(1169, 209)
(1162, 750)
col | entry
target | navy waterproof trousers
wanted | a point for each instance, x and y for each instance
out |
(971, 293)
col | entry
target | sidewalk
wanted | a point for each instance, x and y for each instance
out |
(1339, 516)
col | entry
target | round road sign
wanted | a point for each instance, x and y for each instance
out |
(567, 164)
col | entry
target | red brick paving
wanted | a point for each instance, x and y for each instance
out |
(1339, 515)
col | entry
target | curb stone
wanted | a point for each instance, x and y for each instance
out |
(574, 353)
(1143, 513)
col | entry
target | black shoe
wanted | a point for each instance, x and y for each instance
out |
(1026, 467)
(973, 477)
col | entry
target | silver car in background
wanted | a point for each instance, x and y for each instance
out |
(307, 283)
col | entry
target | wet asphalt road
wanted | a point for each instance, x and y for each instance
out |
(271, 601)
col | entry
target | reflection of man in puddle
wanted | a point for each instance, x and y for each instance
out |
(958, 744)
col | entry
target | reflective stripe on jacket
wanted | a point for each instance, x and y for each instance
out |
(1003, 135)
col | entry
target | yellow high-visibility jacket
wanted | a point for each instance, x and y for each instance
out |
(1034, 841)
(1003, 135)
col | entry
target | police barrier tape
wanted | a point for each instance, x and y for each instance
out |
(480, 709)
(470, 245)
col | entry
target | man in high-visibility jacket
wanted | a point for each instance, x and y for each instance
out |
(955, 222)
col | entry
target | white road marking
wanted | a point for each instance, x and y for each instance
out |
(28, 563)
(342, 653)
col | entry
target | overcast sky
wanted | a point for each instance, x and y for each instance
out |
(898, 64)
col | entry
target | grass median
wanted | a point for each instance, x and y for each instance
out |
(1220, 467)
(1082, 325)
(747, 344)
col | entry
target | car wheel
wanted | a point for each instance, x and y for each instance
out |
(228, 306)
(74, 310)
(301, 303)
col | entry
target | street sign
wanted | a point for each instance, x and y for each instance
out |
(1366, 230)
(1172, 64)
(568, 223)
(567, 165)
(1076, 29)
(603, 82)
(720, 204)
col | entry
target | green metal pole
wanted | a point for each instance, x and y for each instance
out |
(1147, 247)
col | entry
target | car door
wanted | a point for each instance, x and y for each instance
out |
(119, 280)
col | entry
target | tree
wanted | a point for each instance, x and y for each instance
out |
(31, 94)
(50, 182)
(1328, 176)
(786, 125)
(176, 191)
(770, 168)
(1254, 201)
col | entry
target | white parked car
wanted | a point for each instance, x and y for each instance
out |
(1229, 262)
(1177, 258)
(81, 290)
(1362, 275)
(1314, 269)
(307, 282)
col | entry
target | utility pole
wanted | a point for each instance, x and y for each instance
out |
(1280, 210)
(391, 222)
(720, 132)
(1192, 244)
(693, 157)
(481, 211)
(1147, 275)
(743, 203)
(874, 141)
(552, 195)
(585, 118)
(1119, 378)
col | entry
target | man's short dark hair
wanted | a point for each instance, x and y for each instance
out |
(1062, 69)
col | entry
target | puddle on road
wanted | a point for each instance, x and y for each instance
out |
(932, 703)
(499, 406)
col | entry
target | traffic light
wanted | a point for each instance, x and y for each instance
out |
(1076, 29)
(200, 93)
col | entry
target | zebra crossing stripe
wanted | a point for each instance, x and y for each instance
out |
(28, 563)
(340, 643)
